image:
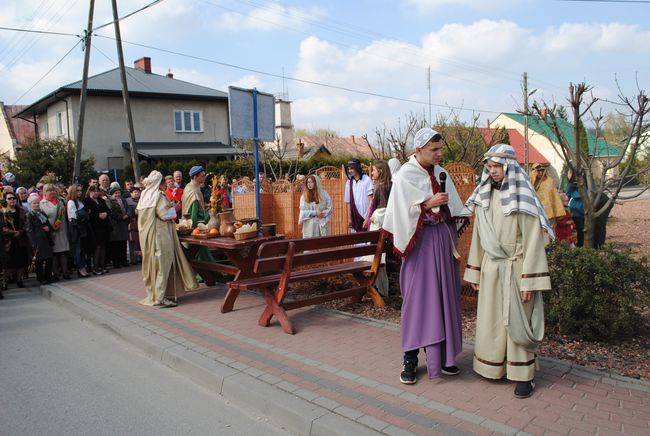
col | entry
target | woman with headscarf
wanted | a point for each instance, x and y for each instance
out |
(120, 217)
(547, 192)
(507, 262)
(394, 164)
(315, 209)
(39, 230)
(167, 273)
(55, 208)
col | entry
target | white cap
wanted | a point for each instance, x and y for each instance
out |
(423, 136)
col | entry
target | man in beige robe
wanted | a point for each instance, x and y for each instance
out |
(507, 264)
(166, 271)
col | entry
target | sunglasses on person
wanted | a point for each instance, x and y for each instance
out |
(10, 198)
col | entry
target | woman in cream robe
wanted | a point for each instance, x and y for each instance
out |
(315, 209)
(165, 270)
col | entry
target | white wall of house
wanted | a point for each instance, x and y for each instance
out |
(57, 121)
(540, 142)
(7, 143)
(105, 126)
(548, 149)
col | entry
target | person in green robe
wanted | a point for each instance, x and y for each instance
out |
(193, 202)
(165, 269)
(194, 206)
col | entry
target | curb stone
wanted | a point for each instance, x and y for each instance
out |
(289, 411)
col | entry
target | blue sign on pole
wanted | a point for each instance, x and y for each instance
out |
(252, 116)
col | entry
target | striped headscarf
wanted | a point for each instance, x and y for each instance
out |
(517, 193)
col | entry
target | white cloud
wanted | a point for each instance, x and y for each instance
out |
(596, 37)
(483, 5)
(273, 16)
(474, 66)
(248, 82)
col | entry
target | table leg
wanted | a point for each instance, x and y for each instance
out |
(245, 266)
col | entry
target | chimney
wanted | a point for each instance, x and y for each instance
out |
(169, 74)
(143, 64)
(353, 139)
(301, 149)
(488, 123)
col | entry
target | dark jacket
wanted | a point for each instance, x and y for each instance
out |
(120, 220)
(101, 228)
(41, 240)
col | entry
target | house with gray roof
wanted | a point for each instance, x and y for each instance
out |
(173, 119)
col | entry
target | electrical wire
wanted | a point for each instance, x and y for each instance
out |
(15, 29)
(147, 6)
(48, 71)
(416, 53)
(18, 36)
(344, 28)
(295, 79)
(52, 22)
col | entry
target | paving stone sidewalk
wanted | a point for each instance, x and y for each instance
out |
(339, 374)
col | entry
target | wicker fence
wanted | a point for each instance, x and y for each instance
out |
(280, 201)
(280, 204)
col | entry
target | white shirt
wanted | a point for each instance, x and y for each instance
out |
(362, 190)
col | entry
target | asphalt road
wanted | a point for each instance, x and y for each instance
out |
(60, 375)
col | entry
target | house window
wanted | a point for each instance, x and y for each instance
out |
(59, 124)
(188, 121)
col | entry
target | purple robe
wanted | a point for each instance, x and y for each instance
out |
(430, 283)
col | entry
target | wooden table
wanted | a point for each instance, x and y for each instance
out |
(240, 254)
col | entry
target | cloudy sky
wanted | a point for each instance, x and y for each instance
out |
(350, 66)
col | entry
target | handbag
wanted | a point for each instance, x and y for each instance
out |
(82, 216)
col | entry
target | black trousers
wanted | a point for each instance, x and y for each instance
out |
(44, 270)
(117, 253)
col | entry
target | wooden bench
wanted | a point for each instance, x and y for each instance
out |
(280, 263)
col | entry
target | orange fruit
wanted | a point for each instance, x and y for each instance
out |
(213, 232)
(196, 232)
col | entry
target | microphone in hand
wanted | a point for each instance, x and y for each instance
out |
(443, 182)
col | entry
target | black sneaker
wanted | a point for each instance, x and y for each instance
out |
(524, 389)
(450, 370)
(408, 376)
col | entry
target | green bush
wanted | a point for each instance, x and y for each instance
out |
(598, 295)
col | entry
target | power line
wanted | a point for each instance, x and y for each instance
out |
(17, 36)
(344, 28)
(147, 6)
(295, 79)
(363, 37)
(48, 71)
(15, 29)
(608, 1)
(51, 23)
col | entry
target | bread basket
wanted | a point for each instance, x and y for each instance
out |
(245, 235)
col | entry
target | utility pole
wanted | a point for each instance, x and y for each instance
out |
(84, 88)
(125, 95)
(525, 86)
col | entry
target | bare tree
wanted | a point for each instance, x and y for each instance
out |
(275, 158)
(465, 142)
(396, 142)
(593, 182)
